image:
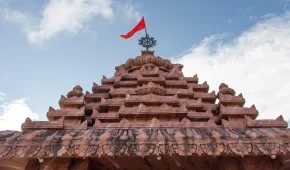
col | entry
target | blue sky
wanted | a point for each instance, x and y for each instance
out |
(48, 47)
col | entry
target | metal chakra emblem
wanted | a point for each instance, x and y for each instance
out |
(147, 42)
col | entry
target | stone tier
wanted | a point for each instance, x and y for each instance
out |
(200, 115)
(231, 112)
(206, 97)
(100, 89)
(145, 111)
(72, 102)
(54, 114)
(154, 123)
(36, 125)
(193, 79)
(152, 99)
(230, 100)
(199, 87)
(104, 116)
(279, 122)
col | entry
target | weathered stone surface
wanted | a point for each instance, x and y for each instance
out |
(171, 140)
(150, 110)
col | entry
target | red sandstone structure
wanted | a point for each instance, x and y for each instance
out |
(149, 116)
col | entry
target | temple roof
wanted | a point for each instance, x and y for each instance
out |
(150, 100)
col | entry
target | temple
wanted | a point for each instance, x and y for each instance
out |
(149, 116)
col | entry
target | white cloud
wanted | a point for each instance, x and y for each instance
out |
(127, 11)
(255, 63)
(13, 114)
(23, 19)
(68, 16)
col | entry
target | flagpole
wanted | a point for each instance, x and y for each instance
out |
(145, 26)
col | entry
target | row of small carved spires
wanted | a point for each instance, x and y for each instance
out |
(224, 99)
(224, 112)
(155, 123)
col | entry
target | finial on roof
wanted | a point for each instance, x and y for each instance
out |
(76, 91)
(224, 89)
(147, 42)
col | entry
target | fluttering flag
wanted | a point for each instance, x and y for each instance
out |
(141, 25)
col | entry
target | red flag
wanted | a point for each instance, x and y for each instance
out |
(141, 25)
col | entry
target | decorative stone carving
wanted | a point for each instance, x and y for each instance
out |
(150, 88)
(224, 89)
(77, 91)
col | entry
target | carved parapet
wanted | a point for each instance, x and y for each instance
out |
(104, 116)
(207, 124)
(150, 88)
(193, 79)
(93, 98)
(264, 123)
(91, 106)
(123, 124)
(227, 96)
(129, 77)
(230, 100)
(228, 124)
(37, 125)
(176, 83)
(72, 102)
(111, 102)
(177, 70)
(106, 81)
(200, 115)
(152, 98)
(169, 76)
(180, 92)
(191, 103)
(226, 112)
(154, 123)
(144, 111)
(54, 114)
(121, 92)
(199, 87)
(213, 107)
(206, 97)
(80, 125)
(100, 89)
(119, 84)
(155, 80)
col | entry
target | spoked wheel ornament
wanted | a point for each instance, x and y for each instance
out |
(147, 42)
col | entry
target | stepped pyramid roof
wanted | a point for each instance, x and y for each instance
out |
(148, 108)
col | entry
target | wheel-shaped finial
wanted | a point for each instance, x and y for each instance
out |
(147, 42)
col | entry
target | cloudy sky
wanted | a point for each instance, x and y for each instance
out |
(49, 46)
